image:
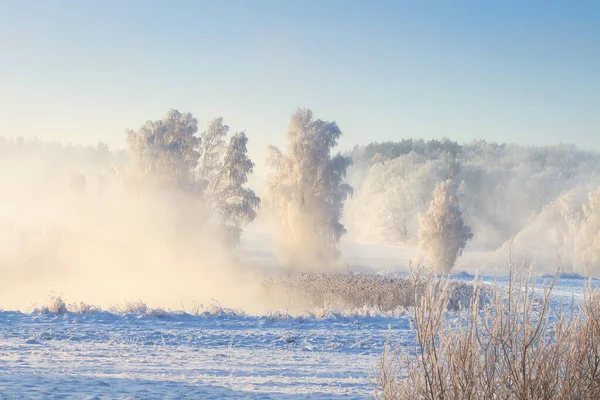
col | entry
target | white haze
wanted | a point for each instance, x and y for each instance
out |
(534, 196)
(102, 241)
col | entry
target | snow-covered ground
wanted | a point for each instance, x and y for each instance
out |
(179, 356)
(211, 355)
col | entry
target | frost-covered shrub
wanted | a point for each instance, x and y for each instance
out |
(278, 316)
(135, 307)
(196, 309)
(56, 305)
(216, 309)
(158, 312)
(83, 308)
(138, 307)
(319, 312)
(513, 349)
(442, 233)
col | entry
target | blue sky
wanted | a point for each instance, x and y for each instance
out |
(506, 71)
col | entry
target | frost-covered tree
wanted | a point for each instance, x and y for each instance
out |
(553, 235)
(234, 204)
(212, 146)
(386, 206)
(587, 245)
(307, 191)
(506, 185)
(443, 234)
(169, 152)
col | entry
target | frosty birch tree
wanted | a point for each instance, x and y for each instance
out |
(306, 191)
(204, 167)
(166, 150)
(234, 205)
(443, 234)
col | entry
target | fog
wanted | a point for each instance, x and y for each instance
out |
(537, 198)
(75, 226)
(77, 223)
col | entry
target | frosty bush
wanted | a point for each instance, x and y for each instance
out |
(443, 234)
(83, 308)
(306, 191)
(216, 309)
(168, 154)
(130, 307)
(56, 305)
(510, 350)
(138, 307)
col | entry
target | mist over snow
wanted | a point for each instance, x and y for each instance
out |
(165, 254)
(106, 227)
(173, 221)
(543, 198)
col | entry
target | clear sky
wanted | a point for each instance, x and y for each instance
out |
(507, 71)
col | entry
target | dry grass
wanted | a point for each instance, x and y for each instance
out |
(508, 349)
(55, 305)
(215, 308)
(83, 308)
(138, 307)
(339, 292)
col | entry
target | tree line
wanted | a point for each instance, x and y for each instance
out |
(307, 187)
